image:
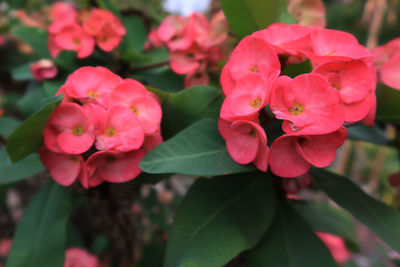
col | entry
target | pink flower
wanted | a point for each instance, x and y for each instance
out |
(78, 257)
(43, 69)
(5, 247)
(198, 77)
(152, 140)
(354, 82)
(119, 130)
(73, 37)
(64, 168)
(329, 45)
(287, 40)
(91, 84)
(336, 246)
(174, 32)
(183, 62)
(247, 98)
(217, 32)
(54, 49)
(383, 53)
(114, 167)
(106, 27)
(307, 104)
(69, 129)
(293, 155)
(246, 142)
(390, 72)
(154, 40)
(62, 14)
(250, 55)
(135, 97)
(308, 12)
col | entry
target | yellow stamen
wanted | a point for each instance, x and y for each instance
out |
(92, 94)
(330, 52)
(253, 133)
(134, 110)
(110, 131)
(297, 109)
(254, 69)
(337, 87)
(78, 130)
(255, 103)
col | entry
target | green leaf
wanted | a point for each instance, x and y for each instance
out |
(219, 218)
(22, 72)
(35, 37)
(380, 218)
(107, 4)
(136, 36)
(7, 125)
(23, 169)
(388, 105)
(197, 150)
(66, 60)
(368, 134)
(16, 4)
(27, 138)
(40, 239)
(289, 242)
(33, 100)
(162, 78)
(325, 218)
(248, 16)
(190, 105)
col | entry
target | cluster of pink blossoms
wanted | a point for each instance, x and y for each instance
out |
(313, 106)
(78, 257)
(195, 44)
(387, 61)
(80, 32)
(101, 130)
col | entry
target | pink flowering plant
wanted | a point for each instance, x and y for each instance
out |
(132, 137)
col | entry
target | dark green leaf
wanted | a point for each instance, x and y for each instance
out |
(162, 78)
(248, 16)
(368, 134)
(197, 150)
(17, 3)
(219, 218)
(388, 105)
(40, 239)
(107, 4)
(325, 218)
(23, 169)
(22, 72)
(380, 218)
(136, 36)
(35, 37)
(289, 242)
(190, 105)
(27, 138)
(33, 100)
(7, 125)
(294, 70)
(100, 244)
(66, 60)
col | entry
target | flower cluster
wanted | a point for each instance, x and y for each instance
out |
(387, 61)
(194, 44)
(80, 32)
(312, 106)
(78, 257)
(101, 130)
